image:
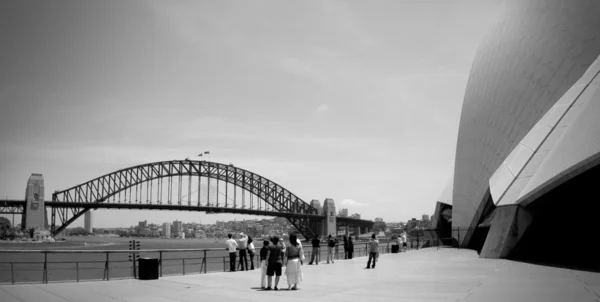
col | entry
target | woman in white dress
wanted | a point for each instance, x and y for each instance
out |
(293, 267)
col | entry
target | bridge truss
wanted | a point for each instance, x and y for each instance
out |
(12, 206)
(183, 185)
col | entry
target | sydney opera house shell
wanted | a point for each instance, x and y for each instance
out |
(526, 181)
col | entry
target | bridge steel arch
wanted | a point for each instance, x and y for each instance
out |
(70, 204)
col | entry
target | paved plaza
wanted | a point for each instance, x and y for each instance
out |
(424, 275)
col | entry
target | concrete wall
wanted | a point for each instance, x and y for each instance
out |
(508, 226)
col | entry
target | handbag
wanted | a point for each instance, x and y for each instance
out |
(302, 255)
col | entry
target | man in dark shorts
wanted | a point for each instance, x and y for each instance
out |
(316, 251)
(275, 261)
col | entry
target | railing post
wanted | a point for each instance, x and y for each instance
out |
(77, 268)
(134, 266)
(12, 273)
(223, 263)
(160, 262)
(183, 265)
(205, 262)
(458, 244)
(45, 276)
(106, 268)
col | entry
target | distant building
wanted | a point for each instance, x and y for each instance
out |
(425, 217)
(166, 229)
(344, 213)
(412, 223)
(177, 226)
(143, 224)
(88, 221)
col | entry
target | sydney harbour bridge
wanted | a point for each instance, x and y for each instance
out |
(179, 185)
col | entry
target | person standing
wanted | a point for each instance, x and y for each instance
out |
(251, 252)
(293, 267)
(373, 250)
(337, 248)
(243, 251)
(275, 261)
(330, 247)
(350, 248)
(232, 247)
(283, 247)
(316, 251)
(403, 240)
(395, 244)
(263, 264)
(345, 247)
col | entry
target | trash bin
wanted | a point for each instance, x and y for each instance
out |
(148, 268)
(395, 249)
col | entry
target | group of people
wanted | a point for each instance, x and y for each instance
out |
(246, 248)
(332, 247)
(400, 244)
(274, 255)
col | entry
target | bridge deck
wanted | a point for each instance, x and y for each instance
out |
(425, 275)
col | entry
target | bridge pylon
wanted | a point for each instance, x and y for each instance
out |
(316, 225)
(34, 215)
(330, 223)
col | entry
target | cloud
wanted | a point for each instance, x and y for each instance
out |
(303, 68)
(322, 108)
(352, 203)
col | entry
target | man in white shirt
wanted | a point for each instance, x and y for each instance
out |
(403, 240)
(243, 252)
(231, 247)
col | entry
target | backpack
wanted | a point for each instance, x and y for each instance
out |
(331, 243)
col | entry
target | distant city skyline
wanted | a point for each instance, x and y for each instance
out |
(355, 101)
(256, 218)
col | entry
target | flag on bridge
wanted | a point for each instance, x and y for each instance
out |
(200, 154)
(206, 152)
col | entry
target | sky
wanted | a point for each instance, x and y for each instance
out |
(358, 101)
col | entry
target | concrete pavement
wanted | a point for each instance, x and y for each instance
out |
(424, 275)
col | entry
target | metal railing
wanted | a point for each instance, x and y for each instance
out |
(77, 265)
(32, 266)
(431, 238)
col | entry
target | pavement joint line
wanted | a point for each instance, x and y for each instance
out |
(51, 293)
(12, 295)
(156, 286)
(101, 293)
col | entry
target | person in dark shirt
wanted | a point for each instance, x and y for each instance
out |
(316, 251)
(330, 249)
(345, 247)
(263, 264)
(275, 262)
(350, 247)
